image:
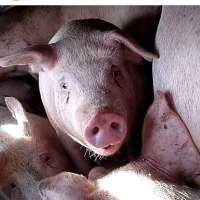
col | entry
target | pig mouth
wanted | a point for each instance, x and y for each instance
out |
(108, 147)
(107, 150)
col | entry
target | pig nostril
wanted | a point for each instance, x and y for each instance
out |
(95, 130)
(114, 125)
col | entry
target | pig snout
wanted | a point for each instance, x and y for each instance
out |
(105, 130)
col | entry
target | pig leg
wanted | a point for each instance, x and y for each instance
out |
(168, 143)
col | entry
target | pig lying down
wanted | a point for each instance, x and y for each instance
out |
(169, 157)
(29, 152)
(90, 82)
(134, 181)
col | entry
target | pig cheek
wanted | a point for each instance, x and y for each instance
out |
(52, 163)
(67, 111)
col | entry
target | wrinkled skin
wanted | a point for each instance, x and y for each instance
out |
(158, 175)
(29, 152)
(91, 93)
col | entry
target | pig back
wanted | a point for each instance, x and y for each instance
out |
(177, 70)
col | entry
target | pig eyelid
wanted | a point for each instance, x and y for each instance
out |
(115, 70)
(12, 185)
(116, 73)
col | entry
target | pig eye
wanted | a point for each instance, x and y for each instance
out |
(47, 160)
(11, 189)
(12, 185)
(63, 86)
(116, 74)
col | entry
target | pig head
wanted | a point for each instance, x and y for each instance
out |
(91, 82)
(28, 153)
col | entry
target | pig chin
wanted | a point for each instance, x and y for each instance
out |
(107, 151)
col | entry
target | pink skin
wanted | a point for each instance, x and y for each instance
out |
(78, 83)
(169, 158)
(37, 154)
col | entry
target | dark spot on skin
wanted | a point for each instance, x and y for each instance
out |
(165, 116)
(165, 126)
(13, 185)
(67, 99)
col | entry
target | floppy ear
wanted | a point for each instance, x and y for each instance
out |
(130, 43)
(18, 112)
(66, 185)
(167, 141)
(38, 58)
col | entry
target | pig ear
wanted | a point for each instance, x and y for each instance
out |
(66, 185)
(38, 58)
(167, 141)
(18, 112)
(129, 42)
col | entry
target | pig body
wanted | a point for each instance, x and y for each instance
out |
(29, 152)
(134, 181)
(176, 72)
(22, 26)
(25, 89)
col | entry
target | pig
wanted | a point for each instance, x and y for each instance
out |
(176, 72)
(93, 93)
(29, 152)
(169, 160)
(22, 26)
(136, 180)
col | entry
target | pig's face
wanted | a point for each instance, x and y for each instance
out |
(20, 170)
(88, 82)
(23, 168)
(94, 94)
(27, 159)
